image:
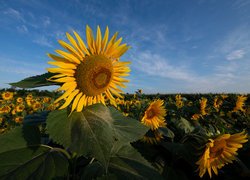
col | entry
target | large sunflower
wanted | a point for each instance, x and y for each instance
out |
(154, 115)
(220, 151)
(89, 73)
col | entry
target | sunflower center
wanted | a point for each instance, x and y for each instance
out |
(150, 113)
(94, 75)
(218, 149)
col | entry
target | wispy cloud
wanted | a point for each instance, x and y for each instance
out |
(156, 65)
(14, 14)
(22, 29)
(46, 21)
(43, 41)
(237, 54)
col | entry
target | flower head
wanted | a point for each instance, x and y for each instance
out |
(90, 72)
(154, 115)
(178, 101)
(7, 95)
(240, 104)
(203, 105)
(152, 137)
(220, 151)
(19, 100)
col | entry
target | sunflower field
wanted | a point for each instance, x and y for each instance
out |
(90, 129)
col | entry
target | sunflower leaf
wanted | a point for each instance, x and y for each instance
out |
(93, 131)
(127, 129)
(38, 162)
(127, 163)
(19, 137)
(22, 156)
(35, 81)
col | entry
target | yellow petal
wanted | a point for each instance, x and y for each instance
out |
(70, 49)
(82, 102)
(81, 43)
(76, 100)
(74, 43)
(90, 38)
(98, 40)
(105, 39)
(66, 94)
(68, 56)
(63, 65)
(111, 42)
(58, 58)
(69, 99)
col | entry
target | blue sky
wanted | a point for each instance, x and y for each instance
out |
(177, 46)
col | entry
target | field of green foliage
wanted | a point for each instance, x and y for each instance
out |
(119, 142)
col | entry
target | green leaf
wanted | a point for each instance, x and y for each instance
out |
(19, 137)
(167, 132)
(93, 131)
(127, 163)
(35, 81)
(184, 125)
(40, 162)
(88, 133)
(127, 129)
(92, 171)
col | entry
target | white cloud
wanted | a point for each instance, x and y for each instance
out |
(156, 65)
(43, 41)
(14, 14)
(231, 76)
(22, 29)
(46, 21)
(237, 54)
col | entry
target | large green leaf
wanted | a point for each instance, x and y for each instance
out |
(87, 133)
(93, 131)
(184, 125)
(35, 81)
(127, 163)
(25, 163)
(19, 137)
(127, 129)
(22, 156)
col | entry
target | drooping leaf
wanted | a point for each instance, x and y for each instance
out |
(93, 131)
(167, 132)
(39, 162)
(88, 133)
(92, 171)
(35, 81)
(184, 125)
(128, 129)
(127, 163)
(21, 136)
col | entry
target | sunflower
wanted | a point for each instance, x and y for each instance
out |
(20, 108)
(152, 137)
(89, 73)
(19, 119)
(220, 151)
(19, 100)
(37, 106)
(239, 106)
(7, 95)
(195, 116)
(178, 101)
(154, 115)
(217, 103)
(203, 106)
